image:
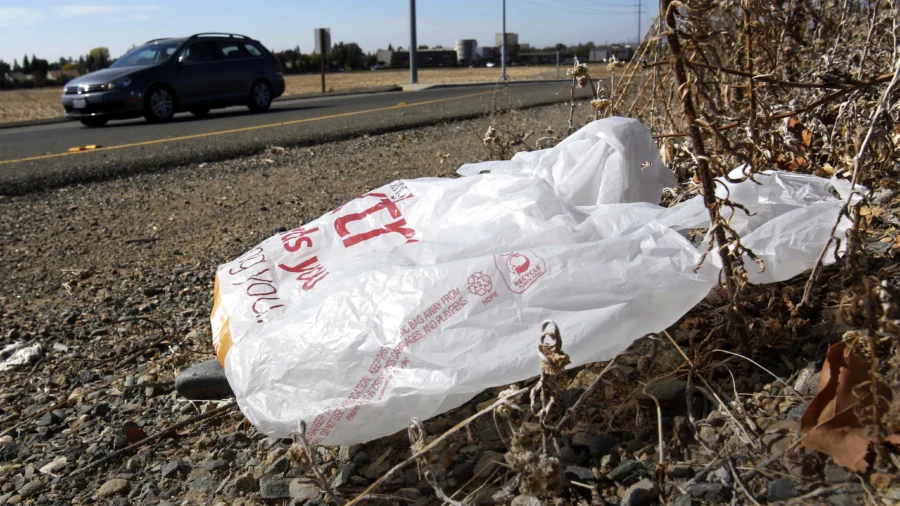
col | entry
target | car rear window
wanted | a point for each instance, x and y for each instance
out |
(252, 50)
(228, 50)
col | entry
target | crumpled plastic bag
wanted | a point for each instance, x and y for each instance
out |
(411, 299)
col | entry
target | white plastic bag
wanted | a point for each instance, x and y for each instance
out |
(411, 299)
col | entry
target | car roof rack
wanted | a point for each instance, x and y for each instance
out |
(157, 40)
(218, 34)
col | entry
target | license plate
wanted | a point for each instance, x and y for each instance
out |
(79, 103)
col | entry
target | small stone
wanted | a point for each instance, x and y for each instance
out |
(487, 462)
(602, 445)
(280, 466)
(463, 471)
(16, 499)
(570, 397)
(683, 500)
(203, 381)
(175, 469)
(709, 492)
(101, 410)
(627, 472)
(641, 493)
(342, 476)
(346, 453)
(665, 391)
(274, 487)
(582, 474)
(300, 491)
(837, 474)
(5, 497)
(567, 455)
(49, 418)
(842, 500)
(31, 489)
(381, 465)
(581, 440)
(361, 459)
(409, 493)
(99, 332)
(246, 483)
(782, 490)
(201, 481)
(212, 465)
(681, 471)
(55, 465)
(358, 481)
(708, 434)
(114, 487)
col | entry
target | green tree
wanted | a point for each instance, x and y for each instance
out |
(69, 66)
(16, 67)
(390, 47)
(26, 65)
(98, 58)
(423, 46)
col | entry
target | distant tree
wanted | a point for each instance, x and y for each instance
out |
(390, 47)
(370, 60)
(69, 66)
(98, 58)
(423, 46)
(39, 66)
(26, 65)
(16, 67)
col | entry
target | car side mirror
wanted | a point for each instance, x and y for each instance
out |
(181, 60)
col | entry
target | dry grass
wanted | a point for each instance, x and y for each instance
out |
(25, 105)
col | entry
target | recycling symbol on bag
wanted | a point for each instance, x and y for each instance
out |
(480, 284)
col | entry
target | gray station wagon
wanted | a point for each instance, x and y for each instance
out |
(164, 76)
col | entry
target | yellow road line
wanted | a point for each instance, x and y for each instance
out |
(243, 129)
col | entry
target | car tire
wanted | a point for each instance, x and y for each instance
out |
(94, 122)
(159, 106)
(200, 112)
(260, 96)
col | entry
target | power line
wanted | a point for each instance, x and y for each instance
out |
(592, 5)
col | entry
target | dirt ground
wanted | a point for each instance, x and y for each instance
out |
(44, 103)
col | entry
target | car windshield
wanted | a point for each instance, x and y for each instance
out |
(147, 55)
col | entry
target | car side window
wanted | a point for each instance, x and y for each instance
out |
(252, 50)
(227, 50)
(197, 52)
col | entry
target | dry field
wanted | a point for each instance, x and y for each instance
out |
(43, 103)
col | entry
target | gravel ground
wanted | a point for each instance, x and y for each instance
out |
(113, 281)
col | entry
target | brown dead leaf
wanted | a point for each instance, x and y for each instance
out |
(830, 424)
(133, 432)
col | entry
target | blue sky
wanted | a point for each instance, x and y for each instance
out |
(54, 28)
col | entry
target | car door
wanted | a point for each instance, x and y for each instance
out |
(236, 69)
(196, 78)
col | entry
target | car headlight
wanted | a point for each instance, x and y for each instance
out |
(122, 82)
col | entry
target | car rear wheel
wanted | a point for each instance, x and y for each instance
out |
(93, 122)
(160, 105)
(260, 97)
(200, 112)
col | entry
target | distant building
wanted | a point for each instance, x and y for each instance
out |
(511, 39)
(17, 77)
(59, 75)
(545, 57)
(466, 51)
(489, 53)
(327, 36)
(424, 58)
(605, 52)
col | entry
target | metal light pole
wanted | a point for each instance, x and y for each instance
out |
(413, 70)
(639, 28)
(503, 47)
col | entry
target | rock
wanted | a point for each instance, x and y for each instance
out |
(581, 440)
(380, 466)
(346, 453)
(683, 500)
(175, 469)
(782, 490)
(358, 481)
(837, 474)
(525, 500)
(49, 418)
(665, 391)
(113, 487)
(463, 472)
(54, 466)
(582, 474)
(709, 492)
(681, 471)
(602, 445)
(409, 493)
(485, 465)
(31, 489)
(842, 500)
(201, 481)
(274, 487)
(641, 493)
(361, 459)
(302, 491)
(15, 499)
(567, 455)
(246, 483)
(101, 410)
(280, 466)
(212, 465)
(570, 397)
(6, 497)
(634, 445)
(342, 476)
(203, 381)
(628, 472)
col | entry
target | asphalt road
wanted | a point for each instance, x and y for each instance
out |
(39, 157)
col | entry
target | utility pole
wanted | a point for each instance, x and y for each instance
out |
(413, 70)
(636, 46)
(503, 47)
(557, 62)
(322, 57)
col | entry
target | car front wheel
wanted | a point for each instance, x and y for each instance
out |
(160, 105)
(260, 97)
(93, 122)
